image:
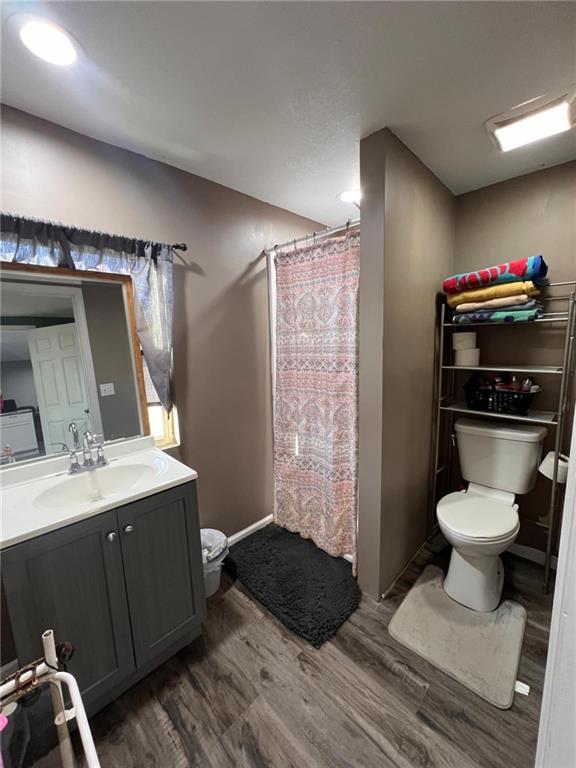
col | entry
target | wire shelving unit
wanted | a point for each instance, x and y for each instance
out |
(447, 407)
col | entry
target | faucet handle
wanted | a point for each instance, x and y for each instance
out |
(100, 458)
(88, 461)
(88, 438)
(74, 465)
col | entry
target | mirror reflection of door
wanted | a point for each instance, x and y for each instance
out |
(66, 347)
(59, 379)
(47, 377)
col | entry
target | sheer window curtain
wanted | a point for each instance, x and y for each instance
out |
(316, 393)
(27, 241)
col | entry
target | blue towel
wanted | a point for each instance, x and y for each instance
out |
(513, 315)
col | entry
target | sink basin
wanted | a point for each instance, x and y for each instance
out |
(90, 487)
(39, 498)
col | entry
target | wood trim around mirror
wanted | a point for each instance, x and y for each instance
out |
(51, 273)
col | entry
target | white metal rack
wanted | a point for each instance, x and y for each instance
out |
(45, 672)
(447, 406)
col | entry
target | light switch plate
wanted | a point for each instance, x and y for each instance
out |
(107, 389)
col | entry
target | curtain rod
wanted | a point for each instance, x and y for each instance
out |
(48, 222)
(314, 236)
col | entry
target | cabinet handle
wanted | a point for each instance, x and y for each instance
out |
(111, 536)
(129, 529)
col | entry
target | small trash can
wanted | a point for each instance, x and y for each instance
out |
(214, 550)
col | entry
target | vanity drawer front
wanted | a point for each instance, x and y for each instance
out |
(163, 568)
(72, 581)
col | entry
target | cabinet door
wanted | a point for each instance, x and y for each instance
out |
(163, 568)
(72, 581)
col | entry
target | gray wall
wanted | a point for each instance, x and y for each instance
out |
(112, 358)
(529, 215)
(221, 334)
(407, 248)
(533, 214)
(17, 382)
(414, 233)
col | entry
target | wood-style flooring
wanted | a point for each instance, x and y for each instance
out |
(251, 694)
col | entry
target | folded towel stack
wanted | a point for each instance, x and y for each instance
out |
(502, 294)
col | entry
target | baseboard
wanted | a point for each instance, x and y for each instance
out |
(406, 564)
(262, 524)
(250, 529)
(532, 554)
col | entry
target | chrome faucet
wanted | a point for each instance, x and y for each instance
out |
(88, 463)
(87, 460)
(75, 436)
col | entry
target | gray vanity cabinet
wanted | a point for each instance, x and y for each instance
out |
(125, 587)
(72, 581)
(163, 568)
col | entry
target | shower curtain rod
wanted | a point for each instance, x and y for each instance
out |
(322, 233)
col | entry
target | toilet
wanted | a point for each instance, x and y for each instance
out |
(498, 461)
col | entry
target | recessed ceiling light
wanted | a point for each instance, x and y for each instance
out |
(351, 196)
(533, 126)
(48, 41)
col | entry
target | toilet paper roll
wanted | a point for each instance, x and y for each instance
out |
(467, 357)
(465, 340)
(547, 467)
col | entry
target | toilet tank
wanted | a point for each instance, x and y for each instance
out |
(502, 456)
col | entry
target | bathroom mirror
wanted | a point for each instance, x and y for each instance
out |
(68, 354)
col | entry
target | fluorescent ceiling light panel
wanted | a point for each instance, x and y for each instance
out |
(48, 42)
(351, 196)
(534, 126)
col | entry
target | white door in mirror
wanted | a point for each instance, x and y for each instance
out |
(60, 382)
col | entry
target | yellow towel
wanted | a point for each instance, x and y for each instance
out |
(493, 292)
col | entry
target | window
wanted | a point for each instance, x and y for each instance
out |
(163, 425)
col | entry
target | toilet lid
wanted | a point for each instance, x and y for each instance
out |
(475, 516)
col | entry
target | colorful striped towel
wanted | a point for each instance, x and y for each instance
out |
(492, 292)
(506, 302)
(499, 316)
(528, 268)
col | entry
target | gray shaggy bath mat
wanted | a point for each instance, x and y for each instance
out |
(309, 591)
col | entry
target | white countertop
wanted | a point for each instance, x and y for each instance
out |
(24, 517)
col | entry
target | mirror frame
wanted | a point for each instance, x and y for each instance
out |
(60, 274)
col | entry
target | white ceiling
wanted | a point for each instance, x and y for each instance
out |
(14, 303)
(14, 340)
(272, 98)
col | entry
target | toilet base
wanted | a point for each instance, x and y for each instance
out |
(475, 582)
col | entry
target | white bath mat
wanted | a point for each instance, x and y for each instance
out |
(479, 650)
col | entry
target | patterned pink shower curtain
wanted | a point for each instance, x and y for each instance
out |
(316, 404)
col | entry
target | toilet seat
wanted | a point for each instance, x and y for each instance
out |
(475, 517)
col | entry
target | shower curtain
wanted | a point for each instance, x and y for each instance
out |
(316, 393)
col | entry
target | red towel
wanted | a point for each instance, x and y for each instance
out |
(469, 281)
